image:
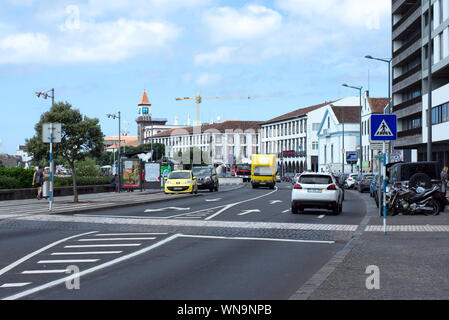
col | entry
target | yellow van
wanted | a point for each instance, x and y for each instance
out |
(263, 171)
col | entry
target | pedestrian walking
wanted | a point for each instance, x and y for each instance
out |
(444, 180)
(38, 181)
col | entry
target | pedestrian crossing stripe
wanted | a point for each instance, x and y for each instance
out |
(384, 130)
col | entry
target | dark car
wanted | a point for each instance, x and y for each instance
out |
(364, 181)
(243, 171)
(207, 178)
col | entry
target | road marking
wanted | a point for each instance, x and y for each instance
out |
(213, 200)
(249, 211)
(321, 217)
(15, 285)
(409, 228)
(256, 239)
(240, 202)
(165, 209)
(128, 234)
(68, 261)
(88, 271)
(285, 211)
(116, 239)
(44, 271)
(29, 256)
(103, 245)
(275, 201)
(83, 253)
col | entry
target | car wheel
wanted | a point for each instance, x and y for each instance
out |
(340, 208)
(295, 209)
(336, 210)
(211, 190)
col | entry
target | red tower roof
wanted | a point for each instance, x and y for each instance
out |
(144, 101)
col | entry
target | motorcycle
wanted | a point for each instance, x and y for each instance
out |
(412, 201)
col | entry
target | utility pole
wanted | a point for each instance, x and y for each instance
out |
(429, 82)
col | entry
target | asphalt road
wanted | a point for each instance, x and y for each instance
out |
(240, 244)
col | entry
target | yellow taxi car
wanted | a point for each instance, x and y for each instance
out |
(182, 181)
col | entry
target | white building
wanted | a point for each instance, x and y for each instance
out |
(339, 133)
(227, 142)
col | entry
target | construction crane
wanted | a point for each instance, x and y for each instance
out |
(200, 98)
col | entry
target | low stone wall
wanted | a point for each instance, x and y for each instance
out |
(230, 181)
(19, 194)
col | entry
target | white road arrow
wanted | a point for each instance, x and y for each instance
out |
(249, 211)
(169, 208)
(275, 201)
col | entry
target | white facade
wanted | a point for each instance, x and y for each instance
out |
(227, 146)
(331, 145)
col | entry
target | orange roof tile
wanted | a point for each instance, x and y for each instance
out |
(144, 101)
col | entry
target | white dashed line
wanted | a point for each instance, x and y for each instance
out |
(116, 239)
(68, 261)
(84, 253)
(44, 271)
(103, 245)
(129, 234)
(15, 285)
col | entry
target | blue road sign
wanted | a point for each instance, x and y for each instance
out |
(384, 127)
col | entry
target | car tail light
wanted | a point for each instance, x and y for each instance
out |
(398, 185)
(350, 179)
(363, 180)
(298, 186)
(332, 187)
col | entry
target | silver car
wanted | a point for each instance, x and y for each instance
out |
(317, 191)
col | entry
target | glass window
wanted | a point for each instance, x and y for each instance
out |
(263, 171)
(315, 179)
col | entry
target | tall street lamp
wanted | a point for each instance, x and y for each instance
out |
(361, 147)
(390, 102)
(45, 95)
(429, 84)
(118, 116)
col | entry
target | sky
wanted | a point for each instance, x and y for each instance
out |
(99, 56)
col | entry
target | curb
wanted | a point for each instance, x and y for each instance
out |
(318, 278)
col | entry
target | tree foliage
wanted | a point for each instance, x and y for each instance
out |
(81, 138)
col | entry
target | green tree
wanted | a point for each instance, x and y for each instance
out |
(81, 138)
(87, 168)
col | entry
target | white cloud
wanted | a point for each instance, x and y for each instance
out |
(354, 13)
(252, 22)
(221, 55)
(208, 79)
(92, 42)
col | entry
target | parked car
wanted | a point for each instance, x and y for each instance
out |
(182, 181)
(373, 185)
(350, 181)
(363, 182)
(296, 177)
(317, 190)
(278, 177)
(207, 178)
(288, 176)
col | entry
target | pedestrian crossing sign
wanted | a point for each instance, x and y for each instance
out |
(383, 127)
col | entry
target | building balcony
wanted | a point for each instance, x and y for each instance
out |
(410, 132)
(407, 104)
(407, 13)
(412, 79)
(299, 154)
(412, 17)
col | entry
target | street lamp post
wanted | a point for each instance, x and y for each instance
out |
(429, 83)
(114, 116)
(361, 148)
(390, 101)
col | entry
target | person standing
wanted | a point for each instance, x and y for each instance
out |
(38, 180)
(444, 180)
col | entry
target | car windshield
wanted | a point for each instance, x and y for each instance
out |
(368, 176)
(201, 171)
(243, 167)
(179, 175)
(263, 171)
(315, 179)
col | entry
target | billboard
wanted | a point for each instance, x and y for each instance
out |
(131, 174)
(352, 157)
(152, 172)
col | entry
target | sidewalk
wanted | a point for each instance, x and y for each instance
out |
(413, 260)
(87, 202)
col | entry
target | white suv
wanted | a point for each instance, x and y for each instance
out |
(317, 190)
(350, 182)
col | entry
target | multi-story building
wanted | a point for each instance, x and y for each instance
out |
(227, 142)
(410, 28)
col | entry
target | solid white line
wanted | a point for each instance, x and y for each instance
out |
(83, 253)
(43, 271)
(68, 261)
(93, 269)
(128, 234)
(104, 245)
(116, 239)
(15, 285)
(257, 239)
(29, 256)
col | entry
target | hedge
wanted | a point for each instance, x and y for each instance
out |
(19, 178)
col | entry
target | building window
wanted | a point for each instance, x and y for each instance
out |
(325, 154)
(316, 126)
(329, 122)
(314, 145)
(332, 153)
(440, 114)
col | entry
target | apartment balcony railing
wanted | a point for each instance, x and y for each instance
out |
(407, 103)
(411, 132)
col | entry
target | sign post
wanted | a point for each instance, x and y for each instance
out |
(384, 128)
(51, 133)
